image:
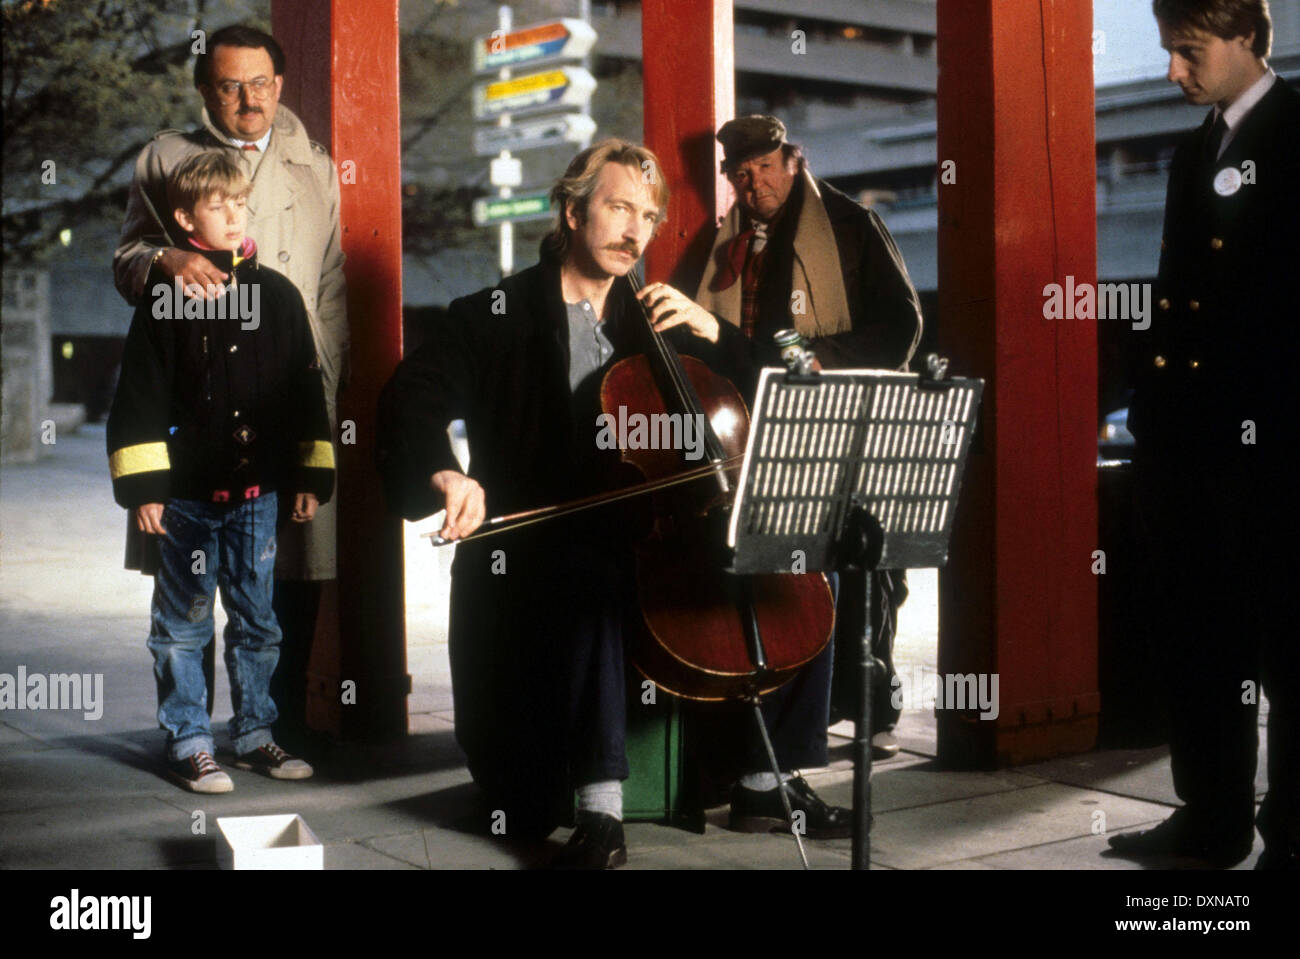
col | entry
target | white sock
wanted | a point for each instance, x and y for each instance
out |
(762, 782)
(605, 797)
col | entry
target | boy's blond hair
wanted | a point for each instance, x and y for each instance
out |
(206, 173)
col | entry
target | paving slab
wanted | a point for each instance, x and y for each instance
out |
(1140, 773)
(921, 783)
(652, 846)
(140, 832)
(1087, 853)
(351, 855)
(926, 836)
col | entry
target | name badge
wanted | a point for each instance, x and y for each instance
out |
(1228, 181)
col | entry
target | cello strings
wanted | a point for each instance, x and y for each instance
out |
(677, 374)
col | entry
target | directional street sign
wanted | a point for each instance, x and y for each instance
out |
(534, 133)
(489, 211)
(533, 46)
(534, 93)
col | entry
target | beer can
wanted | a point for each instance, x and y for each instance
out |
(791, 345)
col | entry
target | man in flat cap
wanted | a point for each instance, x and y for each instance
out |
(794, 252)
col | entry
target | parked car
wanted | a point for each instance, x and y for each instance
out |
(1114, 441)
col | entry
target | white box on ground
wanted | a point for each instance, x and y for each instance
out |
(268, 842)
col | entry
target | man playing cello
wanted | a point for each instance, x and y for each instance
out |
(538, 614)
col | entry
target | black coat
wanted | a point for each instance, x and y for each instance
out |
(1224, 326)
(884, 310)
(499, 360)
(205, 404)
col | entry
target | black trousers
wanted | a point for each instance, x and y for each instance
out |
(1219, 618)
(296, 604)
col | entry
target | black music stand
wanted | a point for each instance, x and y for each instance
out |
(852, 471)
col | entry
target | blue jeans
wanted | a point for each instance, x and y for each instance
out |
(237, 543)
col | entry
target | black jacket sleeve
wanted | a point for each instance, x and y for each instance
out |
(430, 388)
(313, 464)
(137, 430)
(885, 308)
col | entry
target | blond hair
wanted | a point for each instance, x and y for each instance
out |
(575, 188)
(203, 174)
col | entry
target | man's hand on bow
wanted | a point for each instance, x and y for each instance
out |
(466, 508)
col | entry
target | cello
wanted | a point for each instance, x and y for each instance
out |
(708, 635)
(705, 634)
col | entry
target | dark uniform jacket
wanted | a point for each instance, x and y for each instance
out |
(1224, 329)
(207, 409)
(499, 360)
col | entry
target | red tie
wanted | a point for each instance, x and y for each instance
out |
(250, 146)
(734, 263)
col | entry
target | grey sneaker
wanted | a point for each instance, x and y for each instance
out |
(271, 760)
(200, 774)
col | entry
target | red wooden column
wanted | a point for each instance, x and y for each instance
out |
(689, 91)
(1019, 598)
(342, 80)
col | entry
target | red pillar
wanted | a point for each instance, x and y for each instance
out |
(1019, 598)
(689, 91)
(342, 80)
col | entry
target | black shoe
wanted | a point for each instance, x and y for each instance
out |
(1279, 860)
(761, 811)
(1180, 835)
(597, 843)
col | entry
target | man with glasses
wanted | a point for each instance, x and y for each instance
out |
(293, 212)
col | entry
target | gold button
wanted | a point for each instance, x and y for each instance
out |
(1216, 244)
(1194, 364)
(1164, 303)
(1195, 305)
(235, 414)
(1160, 362)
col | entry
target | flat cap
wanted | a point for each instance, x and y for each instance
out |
(747, 137)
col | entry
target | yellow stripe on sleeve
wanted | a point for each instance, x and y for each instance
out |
(141, 458)
(318, 454)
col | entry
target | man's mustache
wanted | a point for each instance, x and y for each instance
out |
(627, 248)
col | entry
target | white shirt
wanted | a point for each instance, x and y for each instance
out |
(265, 139)
(1243, 105)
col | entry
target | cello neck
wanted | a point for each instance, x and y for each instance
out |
(677, 388)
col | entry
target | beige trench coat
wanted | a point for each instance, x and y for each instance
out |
(294, 218)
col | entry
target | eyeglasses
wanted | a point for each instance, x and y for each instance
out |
(258, 88)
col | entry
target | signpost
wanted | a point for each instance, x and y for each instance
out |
(512, 209)
(533, 133)
(534, 93)
(558, 87)
(546, 43)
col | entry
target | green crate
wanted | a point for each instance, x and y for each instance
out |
(653, 791)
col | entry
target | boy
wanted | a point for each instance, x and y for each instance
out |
(218, 424)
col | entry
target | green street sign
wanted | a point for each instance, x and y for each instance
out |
(490, 211)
